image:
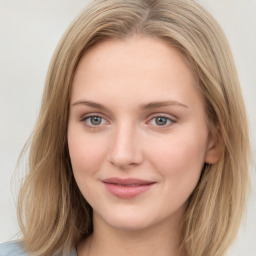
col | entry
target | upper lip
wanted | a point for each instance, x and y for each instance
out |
(127, 181)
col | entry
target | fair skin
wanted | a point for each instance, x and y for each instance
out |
(136, 114)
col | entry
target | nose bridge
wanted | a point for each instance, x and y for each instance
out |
(125, 149)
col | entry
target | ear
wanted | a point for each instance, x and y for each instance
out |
(214, 150)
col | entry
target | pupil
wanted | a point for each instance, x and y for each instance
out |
(161, 121)
(96, 120)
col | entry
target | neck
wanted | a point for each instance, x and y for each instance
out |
(160, 239)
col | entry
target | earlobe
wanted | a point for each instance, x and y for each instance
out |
(214, 150)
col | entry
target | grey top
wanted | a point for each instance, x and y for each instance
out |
(15, 248)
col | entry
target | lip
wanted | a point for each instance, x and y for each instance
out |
(127, 188)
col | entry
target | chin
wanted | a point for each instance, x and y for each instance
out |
(129, 225)
(129, 221)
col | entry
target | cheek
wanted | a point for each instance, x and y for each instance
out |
(86, 156)
(180, 158)
(86, 153)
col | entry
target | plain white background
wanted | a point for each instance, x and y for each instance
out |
(29, 33)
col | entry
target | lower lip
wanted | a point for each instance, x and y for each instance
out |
(127, 191)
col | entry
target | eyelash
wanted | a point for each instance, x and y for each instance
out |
(91, 126)
(90, 116)
(168, 118)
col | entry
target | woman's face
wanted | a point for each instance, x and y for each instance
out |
(137, 132)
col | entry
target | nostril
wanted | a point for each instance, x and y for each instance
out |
(125, 159)
(124, 151)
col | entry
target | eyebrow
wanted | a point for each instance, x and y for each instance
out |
(89, 104)
(160, 104)
(147, 106)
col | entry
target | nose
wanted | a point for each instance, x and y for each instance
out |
(126, 151)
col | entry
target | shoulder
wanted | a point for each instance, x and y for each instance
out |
(13, 248)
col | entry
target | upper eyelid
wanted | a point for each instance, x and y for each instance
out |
(169, 119)
(84, 116)
(169, 116)
(150, 117)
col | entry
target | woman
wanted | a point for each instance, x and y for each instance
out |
(141, 145)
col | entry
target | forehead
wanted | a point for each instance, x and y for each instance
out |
(116, 53)
(144, 67)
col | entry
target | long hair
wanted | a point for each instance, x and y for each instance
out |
(51, 207)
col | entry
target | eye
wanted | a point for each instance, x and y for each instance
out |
(161, 121)
(93, 120)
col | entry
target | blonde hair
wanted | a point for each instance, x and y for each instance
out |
(51, 206)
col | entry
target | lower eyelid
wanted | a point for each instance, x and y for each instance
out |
(169, 122)
(86, 117)
(172, 120)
